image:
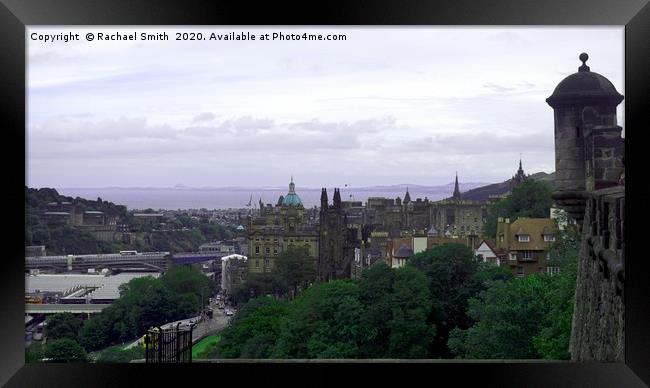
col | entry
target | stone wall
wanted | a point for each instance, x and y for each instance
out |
(598, 332)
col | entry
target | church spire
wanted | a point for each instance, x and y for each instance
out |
(456, 189)
(337, 198)
(323, 199)
(407, 196)
(519, 177)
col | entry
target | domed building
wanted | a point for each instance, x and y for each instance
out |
(292, 199)
(278, 228)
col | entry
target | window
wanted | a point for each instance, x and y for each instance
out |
(257, 249)
(553, 270)
(548, 255)
(257, 263)
(549, 237)
(266, 263)
(513, 256)
(520, 272)
(500, 238)
(268, 250)
(527, 255)
(524, 238)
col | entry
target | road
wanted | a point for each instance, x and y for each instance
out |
(209, 326)
(204, 328)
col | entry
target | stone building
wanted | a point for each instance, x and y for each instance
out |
(455, 217)
(337, 239)
(278, 228)
(66, 213)
(589, 152)
(416, 214)
(525, 243)
(233, 272)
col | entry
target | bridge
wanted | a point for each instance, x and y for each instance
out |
(33, 308)
(195, 257)
(157, 261)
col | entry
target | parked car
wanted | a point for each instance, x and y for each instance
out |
(229, 313)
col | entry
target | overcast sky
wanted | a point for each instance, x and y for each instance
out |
(386, 106)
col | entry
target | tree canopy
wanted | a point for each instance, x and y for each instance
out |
(526, 317)
(530, 199)
(64, 350)
(63, 325)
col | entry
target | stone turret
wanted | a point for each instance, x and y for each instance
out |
(588, 144)
(589, 162)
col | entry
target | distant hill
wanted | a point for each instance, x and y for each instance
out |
(484, 192)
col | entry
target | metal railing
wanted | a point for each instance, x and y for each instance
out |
(171, 345)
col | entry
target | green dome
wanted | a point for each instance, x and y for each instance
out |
(291, 199)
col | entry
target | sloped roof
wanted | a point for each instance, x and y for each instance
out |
(403, 252)
(535, 228)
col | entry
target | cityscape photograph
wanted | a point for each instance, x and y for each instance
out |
(196, 194)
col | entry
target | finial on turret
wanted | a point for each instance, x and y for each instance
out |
(583, 57)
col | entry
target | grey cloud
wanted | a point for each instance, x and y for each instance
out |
(248, 123)
(207, 116)
(360, 126)
(480, 143)
(135, 138)
(75, 131)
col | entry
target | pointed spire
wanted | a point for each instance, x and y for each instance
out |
(456, 188)
(407, 196)
(337, 199)
(323, 199)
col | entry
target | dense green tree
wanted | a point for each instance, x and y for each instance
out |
(410, 334)
(187, 279)
(295, 269)
(258, 284)
(375, 290)
(449, 268)
(116, 354)
(63, 325)
(507, 317)
(454, 276)
(144, 303)
(322, 322)
(253, 330)
(64, 350)
(552, 342)
(525, 317)
(530, 199)
(95, 332)
(34, 352)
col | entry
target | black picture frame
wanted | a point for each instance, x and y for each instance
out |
(16, 14)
